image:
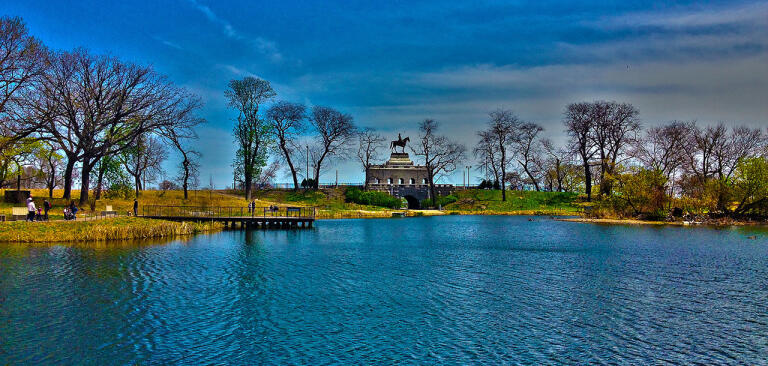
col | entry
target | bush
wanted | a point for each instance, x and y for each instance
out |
(373, 198)
(307, 183)
(441, 201)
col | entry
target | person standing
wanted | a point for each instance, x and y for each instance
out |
(31, 209)
(135, 207)
(46, 208)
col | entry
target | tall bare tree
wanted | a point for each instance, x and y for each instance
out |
(440, 155)
(252, 133)
(615, 127)
(503, 130)
(334, 132)
(92, 106)
(23, 59)
(287, 122)
(527, 151)
(579, 122)
(487, 152)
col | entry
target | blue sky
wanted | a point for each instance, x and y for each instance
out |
(392, 64)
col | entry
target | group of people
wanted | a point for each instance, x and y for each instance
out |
(252, 207)
(35, 213)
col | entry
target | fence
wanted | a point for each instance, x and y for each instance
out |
(226, 212)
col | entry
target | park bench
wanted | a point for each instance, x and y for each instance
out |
(18, 213)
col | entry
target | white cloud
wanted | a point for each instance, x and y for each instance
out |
(739, 14)
(263, 46)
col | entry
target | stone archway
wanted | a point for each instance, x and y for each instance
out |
(413, 202)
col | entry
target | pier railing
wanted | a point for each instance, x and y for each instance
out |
(226, 212)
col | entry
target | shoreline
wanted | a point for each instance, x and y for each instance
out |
(662, 223)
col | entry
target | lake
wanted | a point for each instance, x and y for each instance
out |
(431, 290)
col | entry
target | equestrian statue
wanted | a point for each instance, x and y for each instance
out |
(399, 142)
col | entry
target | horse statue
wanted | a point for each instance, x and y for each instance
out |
(401, 142)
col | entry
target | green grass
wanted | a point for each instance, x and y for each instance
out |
(489, 201)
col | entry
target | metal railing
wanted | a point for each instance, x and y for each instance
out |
(226, 212)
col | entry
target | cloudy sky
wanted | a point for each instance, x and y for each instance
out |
(393, 63)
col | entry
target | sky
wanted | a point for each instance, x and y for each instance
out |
(391, 64)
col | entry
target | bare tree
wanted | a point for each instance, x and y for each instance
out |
(503, 129)
(528, 151)
(369, 143)
(50, 163)
(179, 137)
(615, 127)
(487, 152)
(555, 165)
(700, 150)
(334, 132)
(742, 142)
(268, 174)
(144, 160)
(662, 147)
(93, 106)
(441, 156)
(23, 59)
(578, 124)
(252, 134)
(287, 122)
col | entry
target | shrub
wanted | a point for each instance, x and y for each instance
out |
(373, 198)
(441, 201)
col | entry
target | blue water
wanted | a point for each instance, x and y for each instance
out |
(443, 290)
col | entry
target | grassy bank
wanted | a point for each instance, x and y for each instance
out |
(489, 202)
(122, 228)
(331, 203)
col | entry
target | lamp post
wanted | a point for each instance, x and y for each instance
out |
(307, 178)
(468, 167)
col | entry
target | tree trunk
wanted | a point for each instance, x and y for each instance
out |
(588, 180)
(248, 178)
(290, 165)
(137, 180)
(430, 178)
(503, 182)
(530, 176)
(68, 178)
(85, 181)
(185, 183)
(99, 181)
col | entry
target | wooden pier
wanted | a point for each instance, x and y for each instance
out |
(259, 218)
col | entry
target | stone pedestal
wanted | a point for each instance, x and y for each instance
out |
(399, 159)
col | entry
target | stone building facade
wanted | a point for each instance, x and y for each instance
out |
(400, 177)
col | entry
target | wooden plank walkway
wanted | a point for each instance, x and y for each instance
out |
(261, 217)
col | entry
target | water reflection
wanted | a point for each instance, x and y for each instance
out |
(423, 290)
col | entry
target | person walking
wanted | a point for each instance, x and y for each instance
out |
(135, 207)
(31, 209)
(46, 208)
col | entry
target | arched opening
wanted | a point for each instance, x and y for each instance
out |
(378, 181)
(424, 181)
(413, 181)
(389, 180)
(400, 181)
(413, 202)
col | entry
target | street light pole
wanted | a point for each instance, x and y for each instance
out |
(307, 178)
